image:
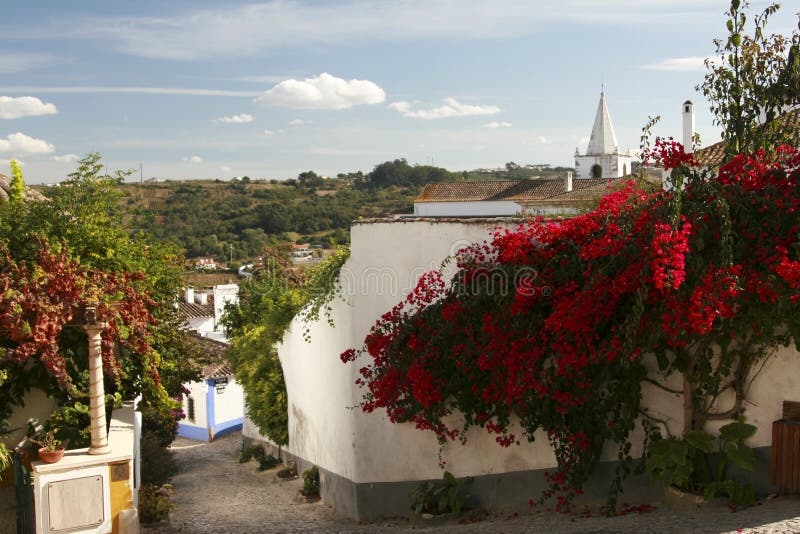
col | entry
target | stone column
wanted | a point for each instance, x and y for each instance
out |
(97, 403)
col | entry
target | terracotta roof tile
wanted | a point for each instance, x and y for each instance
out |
(195, 311)
(714, 155)
(216, 364)
(513, 190)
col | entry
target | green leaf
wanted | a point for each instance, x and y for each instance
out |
(700, 440)
(737, 431)
(741, 455)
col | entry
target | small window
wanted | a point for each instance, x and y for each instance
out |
(190, 408)
(597, 171)
(687, 109)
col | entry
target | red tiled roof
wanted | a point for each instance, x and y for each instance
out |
(195, 311)
(714, 155)
(214, 351)
(510, 190)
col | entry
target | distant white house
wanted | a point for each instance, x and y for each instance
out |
(208, 264)
(215, 404)
(301, 252)
(202, 309)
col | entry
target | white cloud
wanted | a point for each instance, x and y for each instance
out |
(679, 64)
(104, 89)
(298, 122)
(11, 62)
(543, 140)
(193, 159)
(322, 92)
(246, 30)
(451, 108)
(242, 118)
(224, 168)
(24, 106)
(269, 132)
(21, 144)
(66, 158)
(495, 124)
(6, 163)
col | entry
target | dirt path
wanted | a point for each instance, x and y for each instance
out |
(214, 493)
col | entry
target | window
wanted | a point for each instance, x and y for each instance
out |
(190, 408)
(597, 171)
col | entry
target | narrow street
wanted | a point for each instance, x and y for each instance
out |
(214, 493)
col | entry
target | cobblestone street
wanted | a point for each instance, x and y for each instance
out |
(216, 494)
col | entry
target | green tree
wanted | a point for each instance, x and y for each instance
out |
(84, 219)
(17, 183)
(751, 81)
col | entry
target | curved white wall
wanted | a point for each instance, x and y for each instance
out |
(386, 260)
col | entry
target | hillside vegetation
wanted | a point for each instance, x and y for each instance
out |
(225, 219)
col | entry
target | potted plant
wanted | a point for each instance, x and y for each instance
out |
(50, 448)
(695, 471)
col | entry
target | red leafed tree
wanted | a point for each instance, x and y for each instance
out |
(38, 301)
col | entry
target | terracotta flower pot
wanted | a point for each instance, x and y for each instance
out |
(51, 457)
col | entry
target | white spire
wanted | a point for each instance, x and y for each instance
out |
(603, 140)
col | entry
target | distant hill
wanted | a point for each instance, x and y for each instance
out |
(220, 219)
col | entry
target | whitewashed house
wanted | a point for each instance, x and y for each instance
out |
(215, 404)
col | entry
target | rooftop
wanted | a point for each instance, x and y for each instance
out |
(714, 155)
(512, 190)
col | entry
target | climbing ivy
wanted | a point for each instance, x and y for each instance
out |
(270, 300)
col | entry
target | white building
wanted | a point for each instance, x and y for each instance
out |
(215, 404)
(603, 158)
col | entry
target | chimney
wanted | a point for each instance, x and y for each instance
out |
(202, 298)
(688, 126)
(189, 295)
(568, 183)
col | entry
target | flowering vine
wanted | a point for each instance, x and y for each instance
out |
(547, 324)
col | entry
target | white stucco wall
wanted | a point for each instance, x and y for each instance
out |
(229, 404)
(490, 208)
(223, 294)
(325, 429)
(36, 405)
(201, 325)
(614, 165)
(197, 390)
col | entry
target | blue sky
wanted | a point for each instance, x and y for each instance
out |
(206, 89)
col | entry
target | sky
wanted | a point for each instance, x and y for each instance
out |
(208, 89)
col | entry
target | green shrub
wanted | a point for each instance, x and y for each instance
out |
(267, 462)
(687, 463)
(155, 503)
(158, 464)
(160, 420)
(310, 482)
(446, 496)
(245, 455)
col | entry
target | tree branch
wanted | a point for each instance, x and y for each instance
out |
(662, 386)
(662, 422)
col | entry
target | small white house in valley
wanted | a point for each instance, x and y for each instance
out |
(213, 406)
